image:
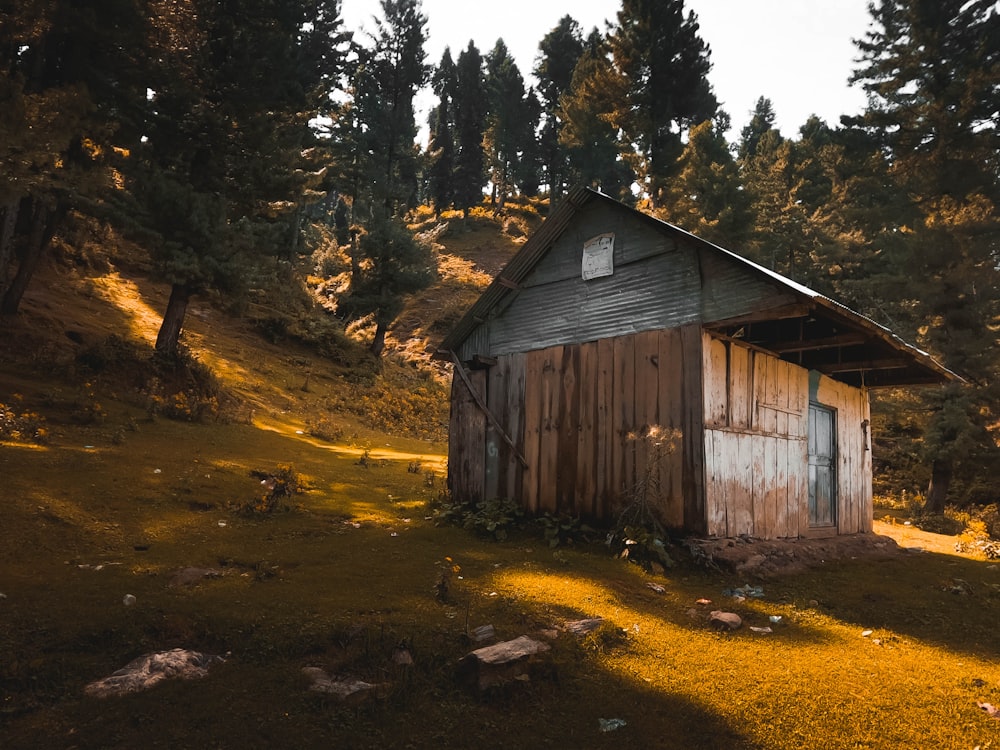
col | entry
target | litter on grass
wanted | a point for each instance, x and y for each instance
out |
(747, 591)
(610, 725)
(991, 710)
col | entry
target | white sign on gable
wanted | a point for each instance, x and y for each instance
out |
(598, 256)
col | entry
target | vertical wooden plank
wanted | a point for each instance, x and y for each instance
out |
(647, 463)
(716, 382)
(671, 411)
(770, 417)
(548, 463)
(740, 385)
(587, 457)
(533, 362)
(692, 399)
(496, 447)
(605, 430)
(568, 431)
(769, 488)
(740, 492)
(783, 527)
(850, 434)
(624, 416)
(466, 465)
(715, 502)
(758, 367)
(781, 396)
(514, 422)
(798, 459)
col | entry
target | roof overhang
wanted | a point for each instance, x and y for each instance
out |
(845, 347)
(814, 332)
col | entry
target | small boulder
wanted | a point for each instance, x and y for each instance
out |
(725, 620)
(148, 670)
(345, 689)
(502, 663)
(583, 627)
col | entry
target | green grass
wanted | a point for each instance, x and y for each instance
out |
(308, 587)
(119, 504)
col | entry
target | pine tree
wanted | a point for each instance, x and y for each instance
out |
(706, 197)
(69, 87)
(587, 134)
(393, 264)
(760, 123)
(471, 106)
(528, 174)
(219, 178)
(932, 75)
(441, 148)
(388, 263)
(505, 133)
(386, 81)
(664, 65)
(559, 53)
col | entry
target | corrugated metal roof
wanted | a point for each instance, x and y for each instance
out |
(522, 264)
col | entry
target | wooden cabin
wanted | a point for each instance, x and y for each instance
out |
(618, 358)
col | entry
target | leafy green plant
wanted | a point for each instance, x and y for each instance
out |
(638, 534)
(981, 533)
(563, 530)
(492, 518)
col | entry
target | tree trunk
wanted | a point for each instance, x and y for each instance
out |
(43, 226)
(355, 258)
(378, 343)
(937, 490)
(7, 225)
(173, 321)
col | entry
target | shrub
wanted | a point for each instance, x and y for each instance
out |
(17, 423)
(277, 487)
(494, 518)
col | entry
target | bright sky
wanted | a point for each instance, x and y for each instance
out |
(797, 53)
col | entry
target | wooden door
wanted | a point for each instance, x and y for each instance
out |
(822, 466)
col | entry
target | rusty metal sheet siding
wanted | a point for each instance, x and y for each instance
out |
(634, 241)
(729, 290)
(661, 291)
(478, 342)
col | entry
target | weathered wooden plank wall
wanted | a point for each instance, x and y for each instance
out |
(756, 467)
(756, 445)
(467, 440)
(579, 414)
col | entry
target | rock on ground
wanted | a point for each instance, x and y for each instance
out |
(148, 670)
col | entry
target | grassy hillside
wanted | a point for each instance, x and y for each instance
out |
(132, 522)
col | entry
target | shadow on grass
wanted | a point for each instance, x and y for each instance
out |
(943, 600)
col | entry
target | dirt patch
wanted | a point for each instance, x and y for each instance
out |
(764, 559)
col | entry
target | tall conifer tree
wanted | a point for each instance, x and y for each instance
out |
(441, 147)
(558, 54)
(593, 149)
(219, 177)
(471, 107)
(387, 262)
(664, 64)
(932, 74)
(70, 92)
